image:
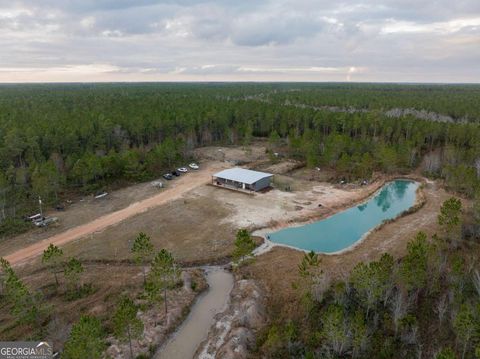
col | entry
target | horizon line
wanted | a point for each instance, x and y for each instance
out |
(235, 82)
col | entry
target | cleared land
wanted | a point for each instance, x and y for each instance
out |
(195, 221)
(183, 185)
(200, 227)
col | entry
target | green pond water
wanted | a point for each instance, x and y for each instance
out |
(345, 228)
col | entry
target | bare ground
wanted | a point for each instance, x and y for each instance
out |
(88, 215)
(182, 186)
(233, 154)
(82, 210)
(200, 227)
(188, 227)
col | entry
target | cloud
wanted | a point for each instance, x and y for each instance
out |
(304, 40)
(446, 27)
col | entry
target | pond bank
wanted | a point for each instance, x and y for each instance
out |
(232, 336)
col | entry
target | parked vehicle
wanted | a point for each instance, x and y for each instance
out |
(168, 176)
(193, 166)
(176, 173)
(46, 221)
(182, 170)
(34, 218)
(157, 184)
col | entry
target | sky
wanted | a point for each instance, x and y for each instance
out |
(240, 40)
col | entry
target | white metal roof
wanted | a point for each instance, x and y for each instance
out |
(242, 175)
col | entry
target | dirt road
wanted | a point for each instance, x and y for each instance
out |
(179, 187)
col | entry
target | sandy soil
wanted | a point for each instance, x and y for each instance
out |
(278, 208)
(193, 330)
(182, 185)
(87, 211)
(157, 325)
(200, 227)
(280, 167)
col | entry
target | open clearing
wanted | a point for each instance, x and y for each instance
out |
(193, 220)
(200, 226)
(183, 185)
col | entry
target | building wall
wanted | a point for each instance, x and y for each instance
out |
(257, 186)
(263, 183)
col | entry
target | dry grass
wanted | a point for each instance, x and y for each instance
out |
(109, 282)
(81, 211)
(189, 228)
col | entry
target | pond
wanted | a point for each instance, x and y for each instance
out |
(345, 228)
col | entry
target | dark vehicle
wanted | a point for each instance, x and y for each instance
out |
(168, 176)
(176, 173)
(60, 207)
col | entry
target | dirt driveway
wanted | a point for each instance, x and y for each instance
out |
(182, 185)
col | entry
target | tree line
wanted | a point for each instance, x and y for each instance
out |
(55, 139)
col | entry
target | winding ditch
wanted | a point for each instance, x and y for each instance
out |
(194, 329)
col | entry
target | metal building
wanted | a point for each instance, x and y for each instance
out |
(242, 179)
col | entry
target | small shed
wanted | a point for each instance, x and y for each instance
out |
(242, 179)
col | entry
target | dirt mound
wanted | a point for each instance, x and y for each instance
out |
(233, 334)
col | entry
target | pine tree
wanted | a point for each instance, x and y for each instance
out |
(335, 331)
(414, 268)
(126, 325)
(142, 249)
(244, 245)
(25, 306)
(52, 257)
(446, 353)
(465, 325)
(450, 218)
(86, 340)
(72, 271)
(373, 281)
(163, 274)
